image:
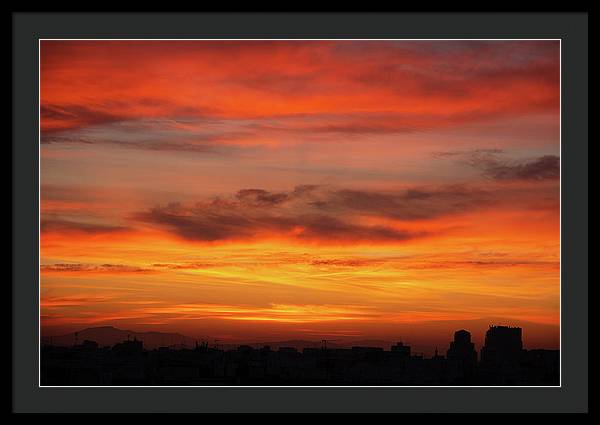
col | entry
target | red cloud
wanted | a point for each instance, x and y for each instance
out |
(89, 82)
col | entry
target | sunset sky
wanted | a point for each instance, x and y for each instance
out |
(270, 190)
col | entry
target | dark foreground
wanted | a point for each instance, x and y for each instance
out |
(502, 361)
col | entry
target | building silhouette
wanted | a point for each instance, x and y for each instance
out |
(461, 358)
(401, 349)
(502, 355)
(502, 344)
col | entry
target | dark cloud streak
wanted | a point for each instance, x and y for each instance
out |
(99, 268)
(494, 167)
(67, 226)
(543, 168)
(313, 213)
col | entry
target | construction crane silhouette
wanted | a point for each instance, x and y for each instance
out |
(325, 341)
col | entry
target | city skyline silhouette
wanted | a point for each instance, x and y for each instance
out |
(502, 360)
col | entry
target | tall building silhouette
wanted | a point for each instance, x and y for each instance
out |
(501, 355)
(462, 358)
(502, 344)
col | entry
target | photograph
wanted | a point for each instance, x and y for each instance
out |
(300, 212)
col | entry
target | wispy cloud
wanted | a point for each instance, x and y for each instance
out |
(283, 313)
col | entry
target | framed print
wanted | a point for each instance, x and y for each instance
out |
(277, 206)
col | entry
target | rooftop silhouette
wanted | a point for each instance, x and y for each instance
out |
(502, 361)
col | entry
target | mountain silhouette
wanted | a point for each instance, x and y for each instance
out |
(537, 335)
(109, 335)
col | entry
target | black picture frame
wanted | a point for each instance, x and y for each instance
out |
(570, 28)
